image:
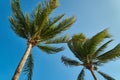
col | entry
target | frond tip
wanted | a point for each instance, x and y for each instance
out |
(110, 55)
(81, 75)
(69, 62)
(50, 49)
(107, 77)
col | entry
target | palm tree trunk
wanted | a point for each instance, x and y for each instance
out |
(22, 62)
(93, 74)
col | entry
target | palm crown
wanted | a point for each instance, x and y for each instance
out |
(39, 29)
(91, 53)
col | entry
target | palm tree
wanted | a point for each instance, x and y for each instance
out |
(39, 29)
(90, 53)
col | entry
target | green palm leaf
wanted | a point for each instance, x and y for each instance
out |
(101, 49)
(96, 40)
(69, 62)
(63, 39)
(57, 29)
(110, 55)
(18, 22)
(43, 12)
(71, 47)
(50, 24)
(77, 45)
(28, 67)
(81, 75)
(50, 49)
(107, 77)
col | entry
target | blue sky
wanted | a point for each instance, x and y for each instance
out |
(92, 17)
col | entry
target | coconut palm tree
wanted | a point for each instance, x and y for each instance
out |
(39, 29)
(90, 53)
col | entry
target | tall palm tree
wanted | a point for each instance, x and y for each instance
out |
(39, 29)
(91, 53)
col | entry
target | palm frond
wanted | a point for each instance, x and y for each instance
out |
(78, 41)
(17, 11)
(50, 49)
(81, 75)
(28, 67)
(72, 48)
(101, 49)
(50, 24)
(42, 14)
(110, 55)
(76, 45)
(63, 39)
(97, 63)
(65, 24)
(107, 77)
(62, 26)
(69, 62)
(97, 39)
(54, 20)
(18, 20)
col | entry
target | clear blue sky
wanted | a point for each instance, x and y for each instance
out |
(92, 17)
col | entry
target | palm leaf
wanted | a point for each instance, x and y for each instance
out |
(101, 49)
(80, 44)
(62, 26)
(18, 20)
(50, 24)
(110, 55)
(71, 47)
(63, 39)
(81, 75)
(43, 12)
(17, 11)
(76, 45)
(107, 77)
(50, 49)
(96, 40)
(28, 67)
(69, 62)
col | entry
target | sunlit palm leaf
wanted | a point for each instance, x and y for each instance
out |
(50, 49)
(43, 12)
(81, 75)
(110, 55)
(101, 49)
(107, 77)
(78, 41)
(97, 39)
(57, 29)
(51, 22)
(28, 67)
(69, 62)
(64, 24)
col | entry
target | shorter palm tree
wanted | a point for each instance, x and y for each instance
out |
(90, 53)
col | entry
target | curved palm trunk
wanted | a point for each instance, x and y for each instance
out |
(93, 74)
(22, 62)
